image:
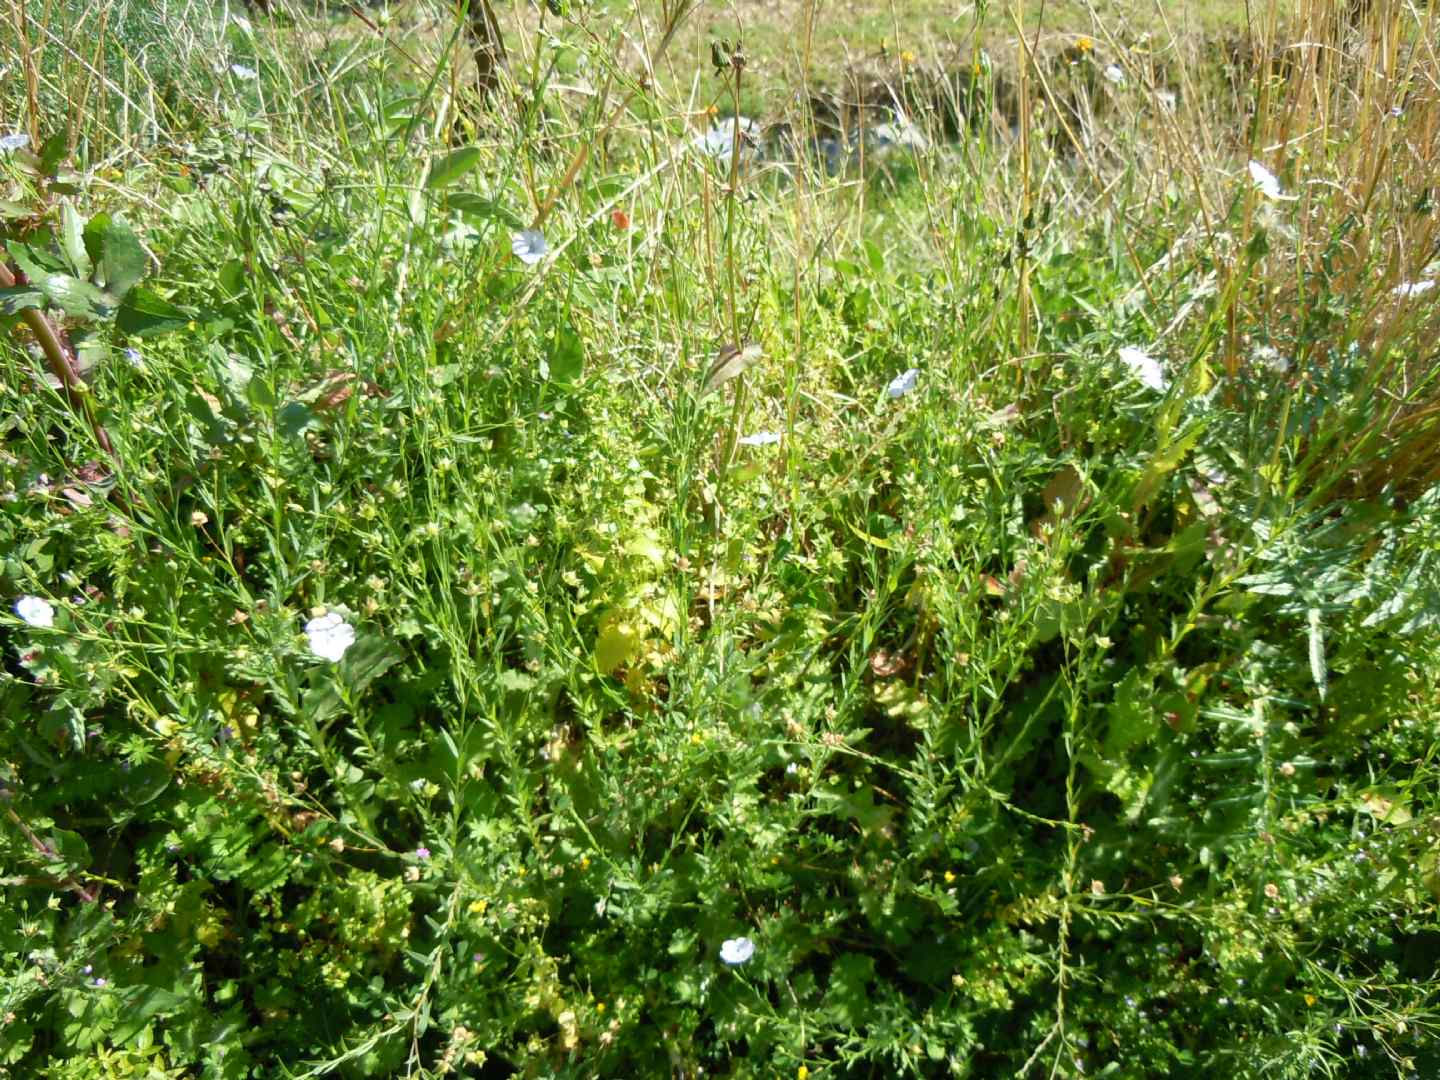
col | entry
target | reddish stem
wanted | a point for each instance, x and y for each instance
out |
(62, 360)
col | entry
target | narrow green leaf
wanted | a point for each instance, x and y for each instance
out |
(72, 239)
(472, 205)
(452, 166)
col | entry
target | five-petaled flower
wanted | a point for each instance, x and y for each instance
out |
(760, 438)
(330, 635)
(1266, 182)
(1143, 366)
(903, 383)
(736, 950)
(35, 612)
(528, 245)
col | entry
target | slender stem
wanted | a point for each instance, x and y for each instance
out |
(63, 363)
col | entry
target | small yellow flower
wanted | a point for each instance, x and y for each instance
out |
(907, 58)
(1310, 999)
(1084, 44)
(949, 876)
(584, 862)
(600, 1006)
(801, 1073)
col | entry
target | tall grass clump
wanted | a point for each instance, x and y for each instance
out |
(934, 578)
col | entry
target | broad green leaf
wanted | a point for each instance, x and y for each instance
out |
(370, 657)
(71, 847)
(141, 1005)
(74, 297)
(617, 643)
(452, 166)
(293, 418)
(119, 258)
(1386, 805)
(567, 357)
(20, 297)
(145, 313)
(52, 152)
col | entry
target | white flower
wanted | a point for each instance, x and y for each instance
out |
(1166, 100)
(760, 438)
(903, 383)
(35, 612)
(529, 246)
(1266, 182)
(1115, 74)
(719, 141)
(736, 950)
(330, 635)
(1271, 357)
(1144, 367)
(18, 141)
(1414, 288)
(240, 71)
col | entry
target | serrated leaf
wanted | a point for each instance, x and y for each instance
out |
(1165, 460)
(452, 166)
(1133, 716)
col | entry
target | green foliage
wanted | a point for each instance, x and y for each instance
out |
(441, 682)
